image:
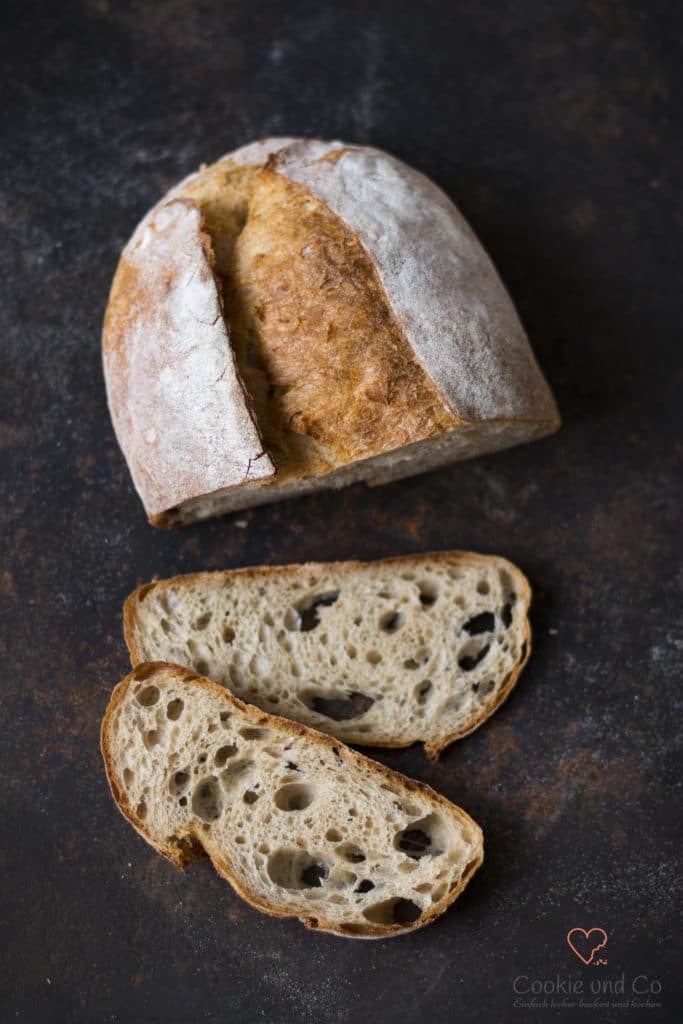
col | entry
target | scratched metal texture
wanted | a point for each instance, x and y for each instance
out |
(555, 125)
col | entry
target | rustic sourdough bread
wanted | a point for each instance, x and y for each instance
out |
(389, 653)
(300, 825)
(304, 314)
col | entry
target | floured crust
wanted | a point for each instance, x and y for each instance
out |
(365, 319)
(178, 405)
(398, 727)
(439, 281)
(199, 846)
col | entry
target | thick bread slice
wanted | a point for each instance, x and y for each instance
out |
(421, 648)
(300, 825)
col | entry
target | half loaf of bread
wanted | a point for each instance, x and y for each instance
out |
(300, 825)
(305, 314)
(421, 648)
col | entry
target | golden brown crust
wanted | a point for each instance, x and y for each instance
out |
(433, 750)
(147, 669)
(306, 304)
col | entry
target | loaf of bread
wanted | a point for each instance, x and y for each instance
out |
(420, 648)
(300, 825)
(305, 314)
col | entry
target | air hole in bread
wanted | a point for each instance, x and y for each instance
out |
(144, 591)
(340, 708)
(183, 801)
(422, 691)
(225, 717)
(484, 622)
(295, 870)
(312, 876)
(151, 738)
(167, 627)
(223, 753)
(141, 810)
(483, 587)
(426, 837)
(373, 657)
(292, 620)
(236, 675)
(308, 610)
(174, 709)
(407, 866)
(472, 654)
(207, 799)
(365, 886)
(391, 621)
(469, 867)
(352, 651)
(258, 666)
(235, 773)
(148, 697)
(522, 655)
(439, 892)
(250, 797)
(249, 733)
(419, 659)
(429, 592)
(294, 797)
(179, 783)
(202, 667)
(333, 836)
(350, 852)
(393, 911)
(228, 634)
(203, 621)
(506, 615)
(455, 704)
(483, 689)
(128, 776)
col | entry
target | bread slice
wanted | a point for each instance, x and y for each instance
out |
(420, 648)
(300, 825)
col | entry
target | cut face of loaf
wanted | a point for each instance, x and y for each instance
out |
(315, 314)
(421, 648)
(300, 825)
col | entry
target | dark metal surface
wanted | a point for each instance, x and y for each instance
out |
(553, 125)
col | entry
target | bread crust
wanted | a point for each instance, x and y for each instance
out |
(439, 281)
(320, 923)
(178, 405)
(432, 749)
(447, 351)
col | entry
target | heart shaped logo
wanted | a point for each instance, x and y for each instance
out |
(586, 943)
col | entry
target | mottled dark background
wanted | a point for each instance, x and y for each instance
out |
(555, 125)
